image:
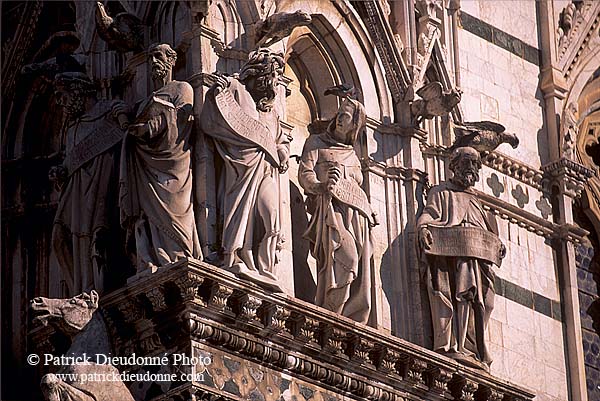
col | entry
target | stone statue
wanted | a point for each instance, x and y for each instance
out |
(79, 319)
(341, 217)
(460, 244)
(570, 130)
(87, 215)
(156, 176)
(239, 116)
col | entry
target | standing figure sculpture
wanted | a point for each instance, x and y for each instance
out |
(239, 116)
(156, 175)
(460, 243)
(340, 227)
(87, 215)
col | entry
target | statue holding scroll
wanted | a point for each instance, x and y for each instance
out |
(340, 226)
(239, 116)
(460, 244)
(87, 217)
(156, 176)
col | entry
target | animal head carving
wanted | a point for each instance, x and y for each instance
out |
(68, 315)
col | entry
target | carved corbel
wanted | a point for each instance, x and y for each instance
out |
(463, 389)
(219, 295)
(305, 329)
(388, 360)
(414, 370)
(131, 309)
(438, 379)
(156, 296)
(188, 286)
(489, 394)
(246, 306)
(333, 340)
(361, 349)
(275, 318)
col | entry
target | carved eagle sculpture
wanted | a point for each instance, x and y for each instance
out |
(483, 136)
(434, 101)
(344, 91)
(124, 32)
(279, 26)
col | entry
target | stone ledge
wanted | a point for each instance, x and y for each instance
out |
(194, 301)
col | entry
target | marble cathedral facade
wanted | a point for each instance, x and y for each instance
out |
(531, 66)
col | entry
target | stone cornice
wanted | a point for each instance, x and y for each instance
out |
(531, 222)
(194, 301)
(568, 176)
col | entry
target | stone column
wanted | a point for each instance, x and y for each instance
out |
(566, 179)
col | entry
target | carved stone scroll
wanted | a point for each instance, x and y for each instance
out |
(348, 192)
(473, 242)
(246, 126)
(104, 136)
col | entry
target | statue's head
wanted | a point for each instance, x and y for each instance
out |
(350, 119)
(69, 315)
(72, 90)
(465, 163)
(260, 76)
(162, 59)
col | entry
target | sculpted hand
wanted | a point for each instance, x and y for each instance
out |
(138, 130)
(221, 84)
(502, 251)
(425, 238)
(58, 176)
(121, 111)
(283, 167)
(333, 176)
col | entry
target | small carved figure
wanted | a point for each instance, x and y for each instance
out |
(87, 216)
(434, 102)
(156, 178)
(124, 32)
(483, 136)
(340, 227)
(570, 129)
(460, 244)
(279, 26)
(79, 319)
(239, 116)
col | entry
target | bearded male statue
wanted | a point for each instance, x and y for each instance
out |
(87, 215)
(156, 176)
(239, 116)
(460, 244)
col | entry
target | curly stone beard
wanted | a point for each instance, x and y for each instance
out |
(160, 69)
(263, 92)
(76, 106)
(466, 177)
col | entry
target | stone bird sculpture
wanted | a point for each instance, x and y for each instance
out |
(279, 26)
(434, 101)
(344, 91)
(483, 136)
(124, 32)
